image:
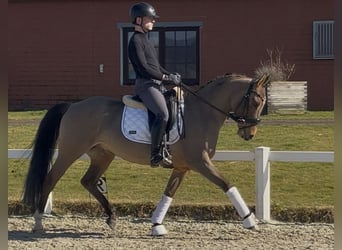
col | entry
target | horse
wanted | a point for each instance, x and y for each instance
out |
(92, 127)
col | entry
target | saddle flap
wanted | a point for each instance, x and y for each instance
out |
(134, 126)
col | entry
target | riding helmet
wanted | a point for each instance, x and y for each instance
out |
(142, 9)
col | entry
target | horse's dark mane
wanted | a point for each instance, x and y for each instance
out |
(225, 76)
(228, 75)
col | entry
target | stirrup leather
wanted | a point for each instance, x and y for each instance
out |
(167, 157)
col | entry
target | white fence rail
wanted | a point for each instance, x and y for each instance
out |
(262, 156)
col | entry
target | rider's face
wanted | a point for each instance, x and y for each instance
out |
(148, 22)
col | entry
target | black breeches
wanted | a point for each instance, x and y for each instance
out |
(154, 100)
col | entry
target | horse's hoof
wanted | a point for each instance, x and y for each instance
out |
(38, 230)
(158, 230)
(254, 228)
(111, 223)
(250, 222)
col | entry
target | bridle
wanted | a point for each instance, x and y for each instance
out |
(243, 121)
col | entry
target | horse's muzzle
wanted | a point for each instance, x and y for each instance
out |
(247, 138)
(247, 133)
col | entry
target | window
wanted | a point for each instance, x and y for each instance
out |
(177, 46)
(323, 39)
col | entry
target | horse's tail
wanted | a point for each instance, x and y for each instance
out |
(43, 149)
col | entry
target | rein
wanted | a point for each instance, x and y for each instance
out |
(232, 115)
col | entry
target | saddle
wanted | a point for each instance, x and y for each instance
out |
(171, 96)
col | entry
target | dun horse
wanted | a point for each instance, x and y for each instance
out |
(93, 127)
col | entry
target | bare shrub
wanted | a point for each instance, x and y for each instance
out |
(275, 67)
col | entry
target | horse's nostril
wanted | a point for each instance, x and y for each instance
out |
(248, 137)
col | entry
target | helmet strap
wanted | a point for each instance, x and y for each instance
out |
(141, 25)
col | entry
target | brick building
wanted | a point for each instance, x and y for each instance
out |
(68, 50)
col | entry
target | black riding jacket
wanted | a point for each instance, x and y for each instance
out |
(144, 58)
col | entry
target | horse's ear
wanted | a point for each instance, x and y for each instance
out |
(263, 80)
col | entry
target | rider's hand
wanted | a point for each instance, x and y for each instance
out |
(175, 78)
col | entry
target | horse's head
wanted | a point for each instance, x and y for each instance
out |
(248, 110)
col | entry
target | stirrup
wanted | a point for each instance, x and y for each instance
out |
(167, 158)
(167, 163)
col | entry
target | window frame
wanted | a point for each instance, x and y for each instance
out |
(323, 37)
(161, 28)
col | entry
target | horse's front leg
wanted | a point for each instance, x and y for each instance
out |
(210, 172)
(176, 178)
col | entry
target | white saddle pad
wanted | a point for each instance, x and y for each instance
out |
(134, 126)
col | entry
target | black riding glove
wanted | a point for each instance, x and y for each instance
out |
(175, 78)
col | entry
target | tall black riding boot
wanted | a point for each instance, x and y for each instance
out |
(157, 133)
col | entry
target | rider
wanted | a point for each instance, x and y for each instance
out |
(149, 77)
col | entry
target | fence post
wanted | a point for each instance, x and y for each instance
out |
(262, 183)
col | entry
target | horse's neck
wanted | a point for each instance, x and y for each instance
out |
(222, 93)
(199, 106)
(217, 94)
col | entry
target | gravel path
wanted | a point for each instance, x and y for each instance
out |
(79, 232)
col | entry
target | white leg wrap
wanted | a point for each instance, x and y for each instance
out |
(241, 207)
(161, 210)
(239, 204)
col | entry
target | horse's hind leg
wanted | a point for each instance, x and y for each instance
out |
(58, 169)
(100, 160)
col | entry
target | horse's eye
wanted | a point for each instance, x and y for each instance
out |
(257, 100)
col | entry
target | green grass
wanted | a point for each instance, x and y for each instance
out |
(293, 185)
(22, 115)
(280, 137)
(321, 115)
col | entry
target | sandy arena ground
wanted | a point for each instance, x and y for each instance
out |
(79, 232)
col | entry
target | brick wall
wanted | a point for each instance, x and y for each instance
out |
(56, 47)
